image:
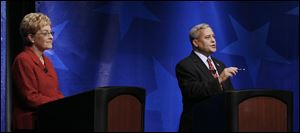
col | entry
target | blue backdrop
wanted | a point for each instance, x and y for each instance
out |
(139, 43)
(3, 65)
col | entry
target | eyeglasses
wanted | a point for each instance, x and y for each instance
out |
(46, 33)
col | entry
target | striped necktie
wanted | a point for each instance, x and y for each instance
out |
(213, 71)
(211, 68)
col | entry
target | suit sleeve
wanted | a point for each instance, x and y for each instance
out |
(26, 86)
(193, 86)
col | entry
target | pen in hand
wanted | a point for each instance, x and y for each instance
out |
(241, 69)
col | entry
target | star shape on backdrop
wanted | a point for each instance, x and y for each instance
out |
(127, 11)
(253, 47)
(294, 11)
(57, 63)
(162, 96)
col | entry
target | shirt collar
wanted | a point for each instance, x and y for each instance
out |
(201, 56)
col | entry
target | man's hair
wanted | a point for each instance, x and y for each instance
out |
(31, 23)
(194, 32)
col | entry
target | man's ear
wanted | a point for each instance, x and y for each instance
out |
(195, 43)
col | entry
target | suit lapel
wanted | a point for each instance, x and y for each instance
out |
(218, 65)
(202, 67)
(34, 58)
(220, 68)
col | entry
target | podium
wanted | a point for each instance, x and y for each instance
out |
(105, 109)
(250, 110)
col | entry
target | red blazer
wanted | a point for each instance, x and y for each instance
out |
(34, 84)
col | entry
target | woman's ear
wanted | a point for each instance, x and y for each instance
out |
(30, 38)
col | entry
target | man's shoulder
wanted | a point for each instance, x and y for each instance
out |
(217, 61)
(186, 63)
(185, 60)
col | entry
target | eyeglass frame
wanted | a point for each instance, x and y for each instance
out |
(46, 33)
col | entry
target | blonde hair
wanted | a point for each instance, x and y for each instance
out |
(194, 32)
(31, 23)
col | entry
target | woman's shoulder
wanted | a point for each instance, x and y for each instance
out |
(23, 56)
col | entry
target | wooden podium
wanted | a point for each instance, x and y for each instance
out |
(245, 111)
(105, 109)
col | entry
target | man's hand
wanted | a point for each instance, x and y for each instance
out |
(226, 73)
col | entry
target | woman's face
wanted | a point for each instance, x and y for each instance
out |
(43, 38)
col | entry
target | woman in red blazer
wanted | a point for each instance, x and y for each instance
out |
(34, 77)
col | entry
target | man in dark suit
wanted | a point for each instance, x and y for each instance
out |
(200, 75)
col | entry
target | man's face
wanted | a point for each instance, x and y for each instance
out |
(205, 43)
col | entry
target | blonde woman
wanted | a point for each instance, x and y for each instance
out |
(34, 77)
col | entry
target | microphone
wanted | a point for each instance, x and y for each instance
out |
(46, 70)
(214, 71)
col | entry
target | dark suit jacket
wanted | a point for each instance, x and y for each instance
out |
(196, 84)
